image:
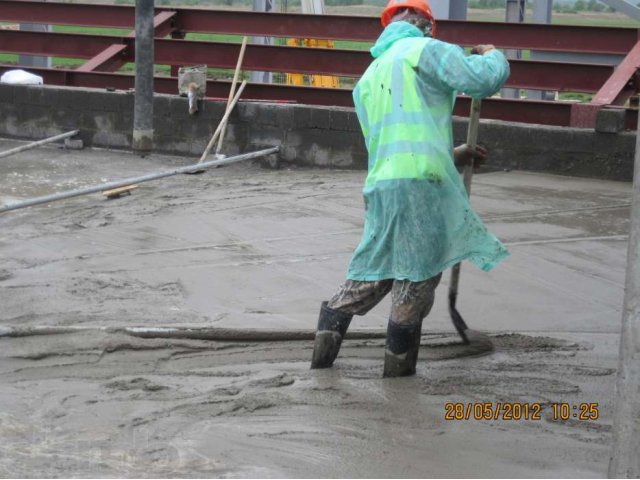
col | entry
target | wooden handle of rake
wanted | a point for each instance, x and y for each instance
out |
(472, 140)
(233, 90)
(224, 120)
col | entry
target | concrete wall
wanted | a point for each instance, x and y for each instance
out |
(308, 136)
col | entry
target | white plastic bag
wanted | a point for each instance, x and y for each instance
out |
(20, 77)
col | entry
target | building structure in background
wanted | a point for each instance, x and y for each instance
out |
(263, 6)
(449, 9)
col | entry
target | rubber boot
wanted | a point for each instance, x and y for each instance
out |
(332, 327)
(401, 354)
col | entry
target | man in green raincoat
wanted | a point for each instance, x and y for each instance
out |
(418, 219)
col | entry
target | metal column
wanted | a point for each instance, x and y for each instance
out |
(35, 60)
(542, 11)
(143, 107)
(514, 14)
(625, 457)
(449, 9)
(263, 6)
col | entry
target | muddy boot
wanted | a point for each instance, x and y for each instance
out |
(401, 355)
(332, 327)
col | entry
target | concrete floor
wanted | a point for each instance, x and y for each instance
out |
(243, 246)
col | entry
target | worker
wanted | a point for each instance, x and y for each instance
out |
(418, 221)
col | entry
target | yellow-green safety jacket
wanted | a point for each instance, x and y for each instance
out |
(418, 219)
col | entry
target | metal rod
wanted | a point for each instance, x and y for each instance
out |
(31, 145)
(232, 91)
(514, 13)
(143, 100)
(214, 137)
(625, 458)
(129, 181)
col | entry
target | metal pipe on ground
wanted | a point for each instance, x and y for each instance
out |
(128, 181)
(38, 143)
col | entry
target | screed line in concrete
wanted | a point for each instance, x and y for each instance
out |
(566, 240)
(210, 246)
(249, 334)
(194, 333)
(129, 181)
(213, 246)
(538, 213)
(31, 145)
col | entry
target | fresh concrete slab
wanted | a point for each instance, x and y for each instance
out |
(247, 247)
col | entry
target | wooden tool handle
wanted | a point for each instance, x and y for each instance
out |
(472, 140)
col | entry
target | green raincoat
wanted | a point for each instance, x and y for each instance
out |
(418, 218)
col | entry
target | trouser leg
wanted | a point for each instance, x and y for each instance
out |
(411, 303)
(357, 298)
(353, 298)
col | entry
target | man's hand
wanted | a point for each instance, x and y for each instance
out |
(482, 49)
(463, 155)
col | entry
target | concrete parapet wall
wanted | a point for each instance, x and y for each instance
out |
(308, 135)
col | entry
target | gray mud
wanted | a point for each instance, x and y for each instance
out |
(229, 268)
(98, 404)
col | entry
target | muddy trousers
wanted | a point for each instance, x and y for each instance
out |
(411, 302)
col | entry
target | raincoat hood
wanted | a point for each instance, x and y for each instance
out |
(394, 32)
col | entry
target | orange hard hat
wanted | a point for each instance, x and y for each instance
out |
(420, 6)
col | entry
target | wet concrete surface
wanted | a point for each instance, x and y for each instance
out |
(246, 247)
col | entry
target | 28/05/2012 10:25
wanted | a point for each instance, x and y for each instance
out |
(519, 411)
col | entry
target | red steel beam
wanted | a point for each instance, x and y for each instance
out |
(182, 52)
(617, 89)
(109, 60)
(623, 75)
(563, 38)
(557, 76)
(568, 38)
(116, 55)
(56, 44)
(164, 23)
(215, 88)
(519, 111)
(525, 73)
(554, 38)
(113, 16)
(349, 63)
(336, 27)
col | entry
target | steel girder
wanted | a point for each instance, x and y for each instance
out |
(350, 63)
(565, 38)
(111, 52)
(521, 111)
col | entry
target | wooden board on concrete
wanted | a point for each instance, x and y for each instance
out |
(118, 192)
